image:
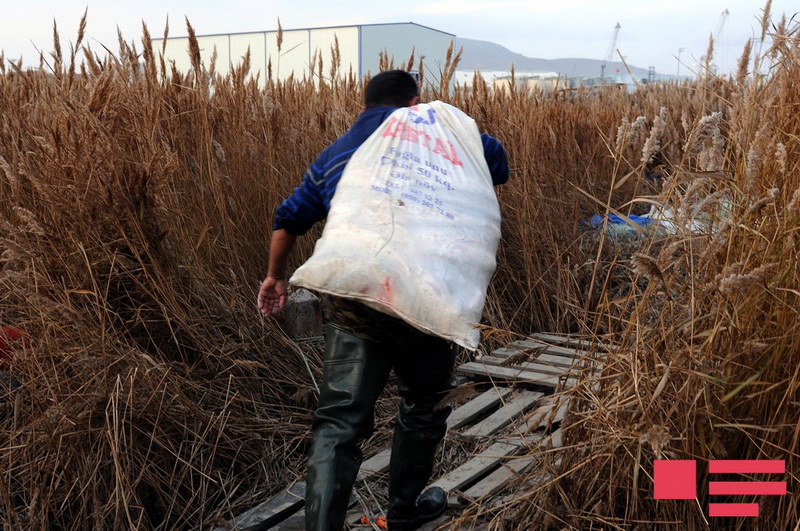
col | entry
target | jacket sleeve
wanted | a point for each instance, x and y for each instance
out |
(306, 206)
(496, 158)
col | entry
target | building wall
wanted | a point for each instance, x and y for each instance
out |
(359, 50)
(543, 84)
(323, 40)
(177, 50)
(400, 40)
(294, 55)
(257, 44)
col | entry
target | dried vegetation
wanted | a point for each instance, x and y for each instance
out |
(135, 206)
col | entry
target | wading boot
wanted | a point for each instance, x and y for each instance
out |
(354, 375)
(429, 506)
(411, 464)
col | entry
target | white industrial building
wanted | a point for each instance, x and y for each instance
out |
(359, 49)
(545, 82)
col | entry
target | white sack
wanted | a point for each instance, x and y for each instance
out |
(414, 224)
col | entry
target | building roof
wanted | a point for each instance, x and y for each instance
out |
(311, 28)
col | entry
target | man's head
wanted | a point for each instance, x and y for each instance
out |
(392, 87)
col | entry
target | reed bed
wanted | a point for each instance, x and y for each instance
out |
(135, 206)
(705, 315)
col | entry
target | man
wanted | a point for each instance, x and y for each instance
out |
(364, 345)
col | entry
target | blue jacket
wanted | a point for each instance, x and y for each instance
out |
(311, 201)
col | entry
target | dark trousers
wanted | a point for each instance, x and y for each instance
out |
(356, 368)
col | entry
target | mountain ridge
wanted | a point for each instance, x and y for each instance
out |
(490, 56)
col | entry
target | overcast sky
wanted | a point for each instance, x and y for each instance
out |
(652, 31)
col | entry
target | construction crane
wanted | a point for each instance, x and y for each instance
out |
(717, 36)
(610, 53)
(717, 44)
(721, 24)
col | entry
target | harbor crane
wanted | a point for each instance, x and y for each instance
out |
(717, 44)
(610, 53)
(721, 24)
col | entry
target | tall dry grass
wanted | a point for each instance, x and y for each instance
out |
(136, 206)
(136, 203)
(706, 319)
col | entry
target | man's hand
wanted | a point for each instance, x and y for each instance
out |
(272, 295)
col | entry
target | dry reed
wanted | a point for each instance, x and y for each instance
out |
(135, 206)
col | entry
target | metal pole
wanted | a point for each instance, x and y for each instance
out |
(678, 75)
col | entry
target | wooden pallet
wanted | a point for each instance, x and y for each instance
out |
(536, 363)
(516, 413)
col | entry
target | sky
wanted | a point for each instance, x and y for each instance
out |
(671, 36)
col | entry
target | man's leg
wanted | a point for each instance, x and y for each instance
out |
(424, 367)
(354, 375)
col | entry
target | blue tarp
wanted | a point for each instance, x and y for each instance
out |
(596, 221)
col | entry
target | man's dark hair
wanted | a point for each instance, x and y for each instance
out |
(392, 87)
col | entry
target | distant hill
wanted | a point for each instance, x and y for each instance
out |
(489, 56)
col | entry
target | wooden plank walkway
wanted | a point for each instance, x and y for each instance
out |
(514, 415)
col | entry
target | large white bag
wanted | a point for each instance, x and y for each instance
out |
(414, 224)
